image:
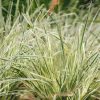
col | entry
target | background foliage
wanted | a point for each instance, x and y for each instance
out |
(68, 5)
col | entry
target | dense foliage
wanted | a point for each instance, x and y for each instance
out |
(49, 57)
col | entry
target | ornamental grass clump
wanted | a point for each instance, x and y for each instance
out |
(52, 57)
